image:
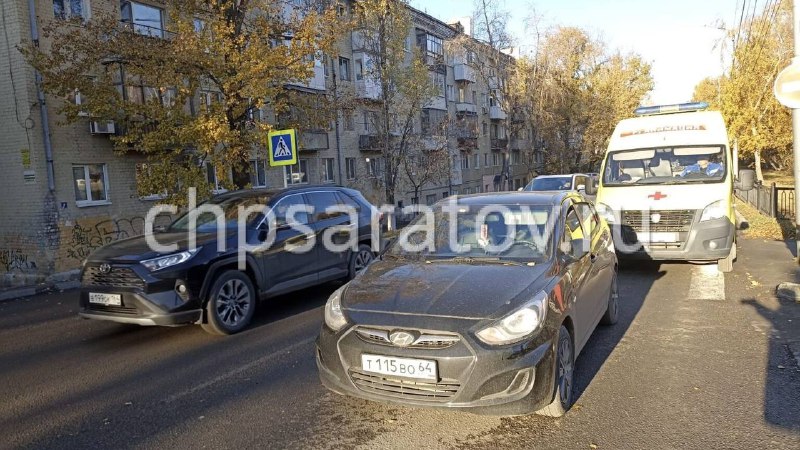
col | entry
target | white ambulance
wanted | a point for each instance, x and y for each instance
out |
(666, 186)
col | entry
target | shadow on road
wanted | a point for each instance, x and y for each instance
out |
(635, 281)
(781, 397)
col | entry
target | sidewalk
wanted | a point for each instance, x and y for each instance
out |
(62, 282)
(761, 266)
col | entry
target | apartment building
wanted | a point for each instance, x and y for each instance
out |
(66, 192)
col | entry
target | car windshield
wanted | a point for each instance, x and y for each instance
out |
(228, 209)
(673, 165)
(550, 184)
(520, 233)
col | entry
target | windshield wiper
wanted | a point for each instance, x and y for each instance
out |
(476, 260)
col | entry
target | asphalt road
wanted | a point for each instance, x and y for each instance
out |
(697, 360)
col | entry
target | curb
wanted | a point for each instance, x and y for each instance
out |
(28, 291)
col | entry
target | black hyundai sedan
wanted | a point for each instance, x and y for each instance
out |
(482, 304)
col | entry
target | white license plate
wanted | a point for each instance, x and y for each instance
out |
(105, 299)
(402, 367)
(657, 237)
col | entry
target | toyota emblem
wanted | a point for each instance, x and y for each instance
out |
(401, 338)
(655, 217)
(105, 268)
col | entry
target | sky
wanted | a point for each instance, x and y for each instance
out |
(680, 38)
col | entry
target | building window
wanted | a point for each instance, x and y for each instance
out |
(462, 96)
(344, 69)
(486, 160)
(213, 180)
(407, 44)
(474, 97)
(297, 173)
(515, 158)
(359, 69)
(145, 19)
(438, 81)
(485, 129)
(465, 162)
(451, 92)
(430, 199)
(327, 170)
(431, 121)
(370, 122)
(347, 118)
(496, 159)
(374, 167)
(350, 168)
(91, 184)
(258, 173)
(71, 9)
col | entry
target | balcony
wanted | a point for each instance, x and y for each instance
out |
(467, 144)
(368, 89)
(439, 103)
(463, 72)
(317, 81)
(499, 144)
(313, 140)
(369, 143)
(466, 108)
(497, 113)
(520, 144)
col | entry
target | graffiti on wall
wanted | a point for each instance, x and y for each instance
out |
(16, 259)
(83, 238)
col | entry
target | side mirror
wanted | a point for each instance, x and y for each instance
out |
(573, 249)
(591, 189)
(747, 180)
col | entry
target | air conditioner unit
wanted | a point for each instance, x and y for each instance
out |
(102, 127)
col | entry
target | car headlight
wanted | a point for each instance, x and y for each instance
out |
(518, 325)
(334, 317)
(605, 212)
(169, 260)
(713, 211)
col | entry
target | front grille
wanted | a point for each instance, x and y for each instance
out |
(118, 277)
(668, 220)
(404, 389)
(113, 309)
(428, 340)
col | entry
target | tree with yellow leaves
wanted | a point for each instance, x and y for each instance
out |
(202, 89)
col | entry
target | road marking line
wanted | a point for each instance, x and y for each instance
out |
(707, 283)
(240, 369)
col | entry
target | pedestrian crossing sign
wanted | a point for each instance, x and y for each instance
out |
(282, 147)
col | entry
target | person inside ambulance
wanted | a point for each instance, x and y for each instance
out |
(704, 167)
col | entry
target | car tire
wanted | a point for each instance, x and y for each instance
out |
(360, 259)
(612, 310)
(565, 375)
(231, 303)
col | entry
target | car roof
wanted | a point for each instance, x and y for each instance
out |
(271, 192)
(516, 197)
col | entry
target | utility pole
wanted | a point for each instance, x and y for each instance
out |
(796, 131)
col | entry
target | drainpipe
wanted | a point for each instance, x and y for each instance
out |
(48, 148)
(336, 121)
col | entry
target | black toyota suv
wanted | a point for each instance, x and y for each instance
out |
(129, 282)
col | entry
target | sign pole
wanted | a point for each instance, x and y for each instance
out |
(796, 133)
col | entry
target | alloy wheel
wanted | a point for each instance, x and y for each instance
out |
(233, 302)
(362, 260)
(565, 370)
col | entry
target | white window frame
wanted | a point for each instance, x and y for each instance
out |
(150, 31)
(326, 167)
(345, 62)
(86, 10)
(300, 163)
(350, 166)
(216, 189)
(253, 165)
(86, 186)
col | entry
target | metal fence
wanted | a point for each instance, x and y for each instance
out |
(770, 200)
